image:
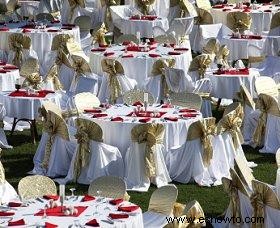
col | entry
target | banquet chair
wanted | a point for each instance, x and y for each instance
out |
(277, 182)
(144, 159)
(189, 100)
(32, 187)
(211, 48)
(181, 9)
(275, 21)
(199, 65)
(166, 39)
(109, 187)
(56, 148)
(20, 49)
(269, 66)
(49, 6)
(265, 204)
(239, 21)
(85, 25)
(114, 82)
(93, 158)
(127, 38)
(85, 100)
(160, 206)
(266, 85)
(135, 95)
(86, 84)
(3, 140)
(44, 16)
(72, 9)
(7, 192)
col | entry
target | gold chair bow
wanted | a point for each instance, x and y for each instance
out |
(200, 63)
(86, 131)
(30, 71)
(151, 134)
(267, 105)
(211, 47)
(222, 56)
(113, 68)
(73, 5)
(54, 125)
(262, 196)
(275, 20)
(2, 172)
(239, 21)
(187, 9)
(99, 35)
(232, 122)
(145, 5)
(107, 4)
(204, 17)
(204, 130)
(33, 80)
(80, 66)
(245, 98)
(159, 69)
(18, 42)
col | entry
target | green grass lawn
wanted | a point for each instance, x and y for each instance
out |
(18, 161)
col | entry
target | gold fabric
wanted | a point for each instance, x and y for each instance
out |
(204, 130)
(18, 42)
(145, 5)
(30, 66)
(86, 131)
(12, 5)
(151, 134)
(200, 63)
(187, 8)
(204, 17)
(212, 47)
(232, 122)
(113, 68)
(245, 97)
(73, 5)
(239, 21)
(80, 66)
(107, 4)
(267, 105)
(54, 125)
(159, 69)
(99, 35)
(178, 209)
(52, 76)
(60, 41)
(222, 56)
(275, 20)
(262, 196)
(2, 172)
(33, 80)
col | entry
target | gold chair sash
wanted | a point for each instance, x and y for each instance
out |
(222, 56)
(30, 66)
(18, 42)
(187, 8)
(86, 131)
(262, 196)
(267, 105)
(107, 4)
(33, 80)
(204, 130)
(113, 68)
(52, 76)
(204, 17)
(59, 42)
(200, 63)
(211, 47)
(53, 125)
(245, 97)
(2, 171)
(159, 69)
(275, 19)
(73, 5)
(99, 35)
(80, 66)
(145, 5)
(151, 134)
(232, 122)
(239, 21)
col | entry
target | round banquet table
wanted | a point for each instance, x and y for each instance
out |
(242, 48)
(139, 67)
(22, 107)
(41, 40)
(98, 209)
(227, 85)
(8, 77)
(261, 17)
(118, 134)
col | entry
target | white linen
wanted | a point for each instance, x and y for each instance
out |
(269, 66)
(48, 6)
(7, 193)
(3, 139)
(277, 183)
(28, 8)
(154, 219)
(8, 80)
(249, 124)
(26, 54)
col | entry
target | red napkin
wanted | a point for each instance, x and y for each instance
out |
(174, 53)
(5, 213)
(167, 106)
(50, 225)
(188, 115)
(2, 63)
(138, 103)
(53, 30)
(118, 216)
(93, 110)
(10, 67)
(98, 49)
(145, 120)
(49, 197)
(218, 6)
(119, 119)
(116, 201)
(26, 30)
(128, 208)
(4, 29)
(109, 53)
(93, 223)
(3, 71)
(267, 11)
(14, 204)
(20, 222)
(88, 198)
(98, 115)
(128, 56)
(187, 110)
(56, 211)
(69, 25)
(154, 55)
(170, 118)
(149, 17)
(181, 49)
(133, 48)
(244, 71)
(247, 10)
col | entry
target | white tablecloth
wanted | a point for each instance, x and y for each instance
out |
(8, 80)
(25, 107)
(226, 86)
(28, 8)
(272, 46)
(260, 19)
(101, 205)
(139, 67)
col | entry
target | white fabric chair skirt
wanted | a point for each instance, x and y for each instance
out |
(7, 193)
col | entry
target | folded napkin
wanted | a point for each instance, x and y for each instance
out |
(50, 225)
(149, 17)
(69, 25)
(57, 211)
(26, 30)
(6, 213)
(88, 198)
(247, 10)
(116, 201)
(14, 204)
(133, 48)
(109, 53)
(53, 30)
(128, 208)
(3, 71)
(187, 110)
(189, 115)
(138, 103)
(4, 29)
(19, 222)
(103, 45)
(49, 197)
(167, 106)
(98, 49)
(171, 118)
(98, 115)
(92, 223)
(174, 53)
(145, 120)
(10, 67)
(181, 49)
(119, 119)
(118, 216)
(154, 55)
(93, 110)
(128, 56)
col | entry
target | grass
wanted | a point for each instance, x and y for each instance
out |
(18, 161)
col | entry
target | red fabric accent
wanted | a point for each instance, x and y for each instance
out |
(170, 118)
(128, 208)
(26, 30)
(167, 106)
(147, 114)
(31, 26)
(128, 56)
(226, 9)
(50, 225)
(244, 71)
(116, 201)
(154, 55)
(56, 211)
(53, 30)
(181, 49)
(189, 115)
(174, 53)
(98, 115)
(4, 29)
(93, 110)
(119, 119)
(88, 198)
(92, 223)
(22, 93)
(138, 103)
(49, 197)
(98, 49)
(218, 6)
(145, 120)
(187, 110)
(2, 63)
(14, 204)
(109, 53)
(126, 43)
(20, 222)
(5, 213)
(118, 216)
(3, 71)
(10, 67)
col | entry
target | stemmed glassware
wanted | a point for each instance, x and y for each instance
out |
(72, 192)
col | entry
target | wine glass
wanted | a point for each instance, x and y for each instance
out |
(45, 212)
(17, 86)
(72, 192)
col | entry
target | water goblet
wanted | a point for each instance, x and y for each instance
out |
(72, 192)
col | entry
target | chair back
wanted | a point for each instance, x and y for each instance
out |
(134, 95)
(189, 100)
(200, 64)
(181, 26)
(49, 106)
(83, 22)
(211, 47)
(275, 21)
(127, 38)
(266, 85)
(163, 199)
(239, 21)
(203, 4)
(186, 8)
(245, 98)
(108, 186)
(204, 17)
(44, 16)
(277, 156)
(86, 84)
(85, 100)
(32, 187)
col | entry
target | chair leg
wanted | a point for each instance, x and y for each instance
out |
(13, 126)
(32, 131)
(218, 104)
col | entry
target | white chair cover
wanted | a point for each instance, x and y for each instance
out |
(26, 54)
(86, 84)
(7, 193)
(277, 183)
(48, 6)
(3, 139)
(250, 121)
(269, 66)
